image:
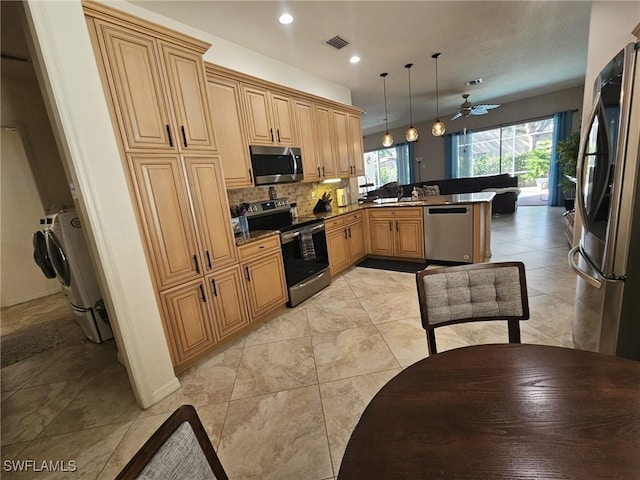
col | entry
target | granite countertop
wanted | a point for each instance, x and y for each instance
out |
(254, 235)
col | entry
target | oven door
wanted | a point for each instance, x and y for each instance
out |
(304, 252)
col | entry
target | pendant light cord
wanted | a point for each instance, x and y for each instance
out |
(436, 55)
(384, 87)
(408, 67)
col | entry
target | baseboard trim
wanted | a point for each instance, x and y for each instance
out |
(164, 391)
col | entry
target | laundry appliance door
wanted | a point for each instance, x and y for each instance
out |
(58, 259)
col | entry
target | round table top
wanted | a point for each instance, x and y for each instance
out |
(502, 411)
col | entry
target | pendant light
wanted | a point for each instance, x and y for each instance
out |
(412, 132)
(438, 127)
(387, 139)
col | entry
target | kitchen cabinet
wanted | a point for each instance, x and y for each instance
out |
(324, 141)
(157, 90)
(356, 151)
(269, 117)
(229, 309)
(188, 322)
(311, 165)
(264, 281)
(225, 106)
(341, 145)
(396, 232)
(345, 241)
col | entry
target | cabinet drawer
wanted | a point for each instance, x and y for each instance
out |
(259, 247)
(401, 212)
(334, 223)
(353, 217)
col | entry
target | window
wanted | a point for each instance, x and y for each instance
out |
(388, 165)
(523, 149)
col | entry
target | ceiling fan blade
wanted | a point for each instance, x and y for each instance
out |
(487, 106)
(479, 111)
(456, 116)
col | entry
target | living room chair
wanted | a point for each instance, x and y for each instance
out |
(473, 293)
(179, 449)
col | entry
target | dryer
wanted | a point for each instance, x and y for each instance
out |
(66, 256)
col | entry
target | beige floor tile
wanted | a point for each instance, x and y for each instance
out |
(335, 315)
(211, 381)
(351, 352)
(31, 313)
(290, 323)
(389, 305)
(406, 339)
(275, 366)
(407, 280)
(30, 410)
(338, 289)
(89, 451)
(447, 339)
(18, 374)
(106, 400)
(365, 282)
(343, 402)
(276, 436)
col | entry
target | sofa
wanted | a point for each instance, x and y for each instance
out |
(505, 186)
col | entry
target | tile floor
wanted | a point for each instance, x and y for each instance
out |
(281, 401)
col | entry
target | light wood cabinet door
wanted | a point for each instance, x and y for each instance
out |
(186, 78)
(265, 284)
(324, 141)
(212, 211)
(163, 204)
(136, 86)
(307, 136)
(228, 301)
(382, 237)
(337, 248)
(259, 127)
(283, 119)
(341, 144)
(225, 107)
(409, 238)
(188, 322)
(357, 244)
(355, 141)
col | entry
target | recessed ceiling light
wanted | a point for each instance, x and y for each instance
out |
(285, 19)
(354, 59)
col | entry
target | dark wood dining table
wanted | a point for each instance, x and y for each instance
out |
(500, 412)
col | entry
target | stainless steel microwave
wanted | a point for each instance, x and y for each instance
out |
(275, 164)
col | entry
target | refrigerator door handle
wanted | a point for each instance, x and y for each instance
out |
(594, 282)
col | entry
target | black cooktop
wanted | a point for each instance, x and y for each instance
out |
(276, 215)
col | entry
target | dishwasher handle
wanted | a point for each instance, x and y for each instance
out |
(447, 210)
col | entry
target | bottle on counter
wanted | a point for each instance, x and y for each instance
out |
(272, 193)
(294, 210)
(414, 194)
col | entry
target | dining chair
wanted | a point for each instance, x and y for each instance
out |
(179, 449)
(473, 293)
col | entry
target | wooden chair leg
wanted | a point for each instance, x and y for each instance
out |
(431, 342)
(514, 331)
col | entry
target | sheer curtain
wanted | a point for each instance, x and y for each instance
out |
(406, 171)
(561, 130)
(453, 156)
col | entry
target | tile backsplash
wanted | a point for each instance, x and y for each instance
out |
(305, 195)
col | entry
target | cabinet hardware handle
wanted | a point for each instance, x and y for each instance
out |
(397, 230)
(250, 176)
(184, 136)
(170, 137)
(195, 260)
(208, 259)
(349, 232)
(391, 226)
(319, 174)
(213, 287)
(271, 133)
(323, 174)
(246, 269)
(345, 233)
(204, 299)
(278, 132)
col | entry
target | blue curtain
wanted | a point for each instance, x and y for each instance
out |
(404, 154)
(561, 130)
(452, 158)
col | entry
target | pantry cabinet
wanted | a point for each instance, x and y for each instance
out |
(157, 89)
(226, 112)
(396, 232)
(269, 117)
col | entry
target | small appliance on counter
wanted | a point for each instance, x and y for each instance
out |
(342, 197)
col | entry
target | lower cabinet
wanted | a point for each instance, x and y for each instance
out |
(396, 232)
(345, 241)
(228, 301)
(264, 281)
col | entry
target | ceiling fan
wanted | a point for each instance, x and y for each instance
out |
(467, 108)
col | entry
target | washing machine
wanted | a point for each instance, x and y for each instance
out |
(61, 252)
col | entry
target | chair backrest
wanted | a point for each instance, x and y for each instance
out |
(178, 449)
(472, 293)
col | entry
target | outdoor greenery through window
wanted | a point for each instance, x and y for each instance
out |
(387, 165)
(523, 150)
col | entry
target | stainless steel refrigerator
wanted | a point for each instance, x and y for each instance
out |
(607, 258)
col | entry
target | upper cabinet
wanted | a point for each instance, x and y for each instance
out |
(356, 148)
(157, 89)
(269, 117)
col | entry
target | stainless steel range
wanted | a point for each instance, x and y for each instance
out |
(304, 246)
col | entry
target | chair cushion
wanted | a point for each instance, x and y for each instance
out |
(180, 457)
(473, 294)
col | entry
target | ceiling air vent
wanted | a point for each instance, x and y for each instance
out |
(337, 42)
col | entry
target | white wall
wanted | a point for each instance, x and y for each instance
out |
(431, 148)
(21, 210)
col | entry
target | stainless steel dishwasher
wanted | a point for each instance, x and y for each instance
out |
(448, 233)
